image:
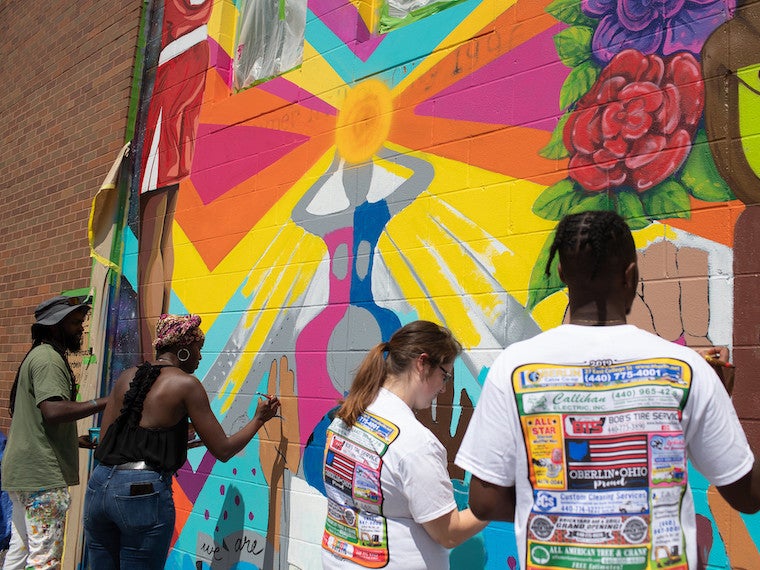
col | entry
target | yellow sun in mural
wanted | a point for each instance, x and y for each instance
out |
(364, 121)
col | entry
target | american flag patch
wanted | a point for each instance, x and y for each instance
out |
(340, 465)
(623, 451)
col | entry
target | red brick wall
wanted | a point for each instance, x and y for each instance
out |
(66, 70)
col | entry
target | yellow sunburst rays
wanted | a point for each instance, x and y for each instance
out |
(290, 257)
(468, 266)
(462, 246)
(277, 280)
(287, 257)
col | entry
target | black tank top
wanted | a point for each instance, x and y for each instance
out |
(163, 449)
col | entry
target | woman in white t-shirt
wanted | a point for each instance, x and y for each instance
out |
(390, 498)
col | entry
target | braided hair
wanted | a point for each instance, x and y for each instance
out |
(134, 398)
(603, 235)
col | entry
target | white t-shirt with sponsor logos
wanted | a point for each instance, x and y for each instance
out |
(594, 426)
(384, 477)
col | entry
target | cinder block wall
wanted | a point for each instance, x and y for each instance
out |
(66, 70)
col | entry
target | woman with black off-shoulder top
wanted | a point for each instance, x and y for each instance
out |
(129, 508)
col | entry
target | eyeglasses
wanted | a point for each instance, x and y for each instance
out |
(447, 376)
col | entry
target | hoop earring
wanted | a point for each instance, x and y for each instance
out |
(183, 357)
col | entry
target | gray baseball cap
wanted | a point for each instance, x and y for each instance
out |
(53, 311)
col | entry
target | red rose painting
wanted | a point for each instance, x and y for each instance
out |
(635, 126)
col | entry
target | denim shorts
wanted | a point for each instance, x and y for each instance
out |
(128, 518)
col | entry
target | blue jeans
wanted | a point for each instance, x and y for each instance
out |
(126, 524)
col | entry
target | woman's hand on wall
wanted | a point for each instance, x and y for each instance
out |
(280, 448)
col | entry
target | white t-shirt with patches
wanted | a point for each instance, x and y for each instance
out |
(594, 426)
(384, 478)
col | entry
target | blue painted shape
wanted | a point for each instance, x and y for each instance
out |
(500, 545)
(314, 451)
(129, 267)
(370, 219)
(414, 42)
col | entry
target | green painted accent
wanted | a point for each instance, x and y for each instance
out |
(630, 207)
(76, 292)
(750, 76)
(700, 176)
(134, 96)
(749, 114)
(555, 149)
(542, 285)
(569, 11)
(574, 45)
(282, 9)
(557, 200)
(669, 199)
(579, 82)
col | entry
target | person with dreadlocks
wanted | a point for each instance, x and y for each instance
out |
(129, 509)
(41, 458)
(582, 433)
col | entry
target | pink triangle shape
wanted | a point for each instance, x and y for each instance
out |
(521, 87)
(227, 155)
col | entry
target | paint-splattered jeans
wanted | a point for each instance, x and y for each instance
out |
(128, 519)
(39, 521)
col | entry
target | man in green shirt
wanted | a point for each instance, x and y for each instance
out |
(41, 458)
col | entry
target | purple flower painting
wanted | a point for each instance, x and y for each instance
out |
(663, 27)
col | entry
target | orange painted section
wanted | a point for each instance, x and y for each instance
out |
(182, 508)
(709, 221)
(480, 144)
(217, 227)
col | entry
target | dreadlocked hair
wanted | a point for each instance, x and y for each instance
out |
(41, 335)
(601, 233)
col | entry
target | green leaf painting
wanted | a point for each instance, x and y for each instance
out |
(578, 83)
(667, 200)
(574, 45)
(569, 11)
(555, 148)
(557, 200)
(700, 176)
(630, 207)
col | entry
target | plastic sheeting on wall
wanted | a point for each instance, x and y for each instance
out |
(270, 39)
(397, 13)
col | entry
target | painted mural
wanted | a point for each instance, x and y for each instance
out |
(419, 173)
